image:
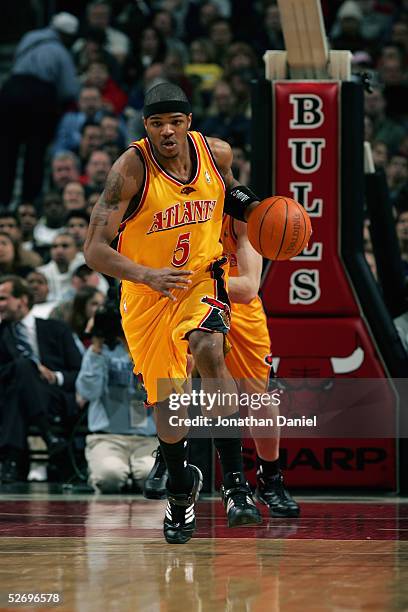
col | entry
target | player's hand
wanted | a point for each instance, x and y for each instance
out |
(164, 280)
(47, 374)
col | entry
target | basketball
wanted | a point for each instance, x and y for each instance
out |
(279, 228)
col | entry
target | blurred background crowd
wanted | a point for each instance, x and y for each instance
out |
(73, 76)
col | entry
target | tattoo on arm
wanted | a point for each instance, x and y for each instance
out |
(109, 200)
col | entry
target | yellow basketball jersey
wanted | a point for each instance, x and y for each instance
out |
(176, 224)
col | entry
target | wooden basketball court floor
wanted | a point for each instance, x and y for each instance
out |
(107, 553)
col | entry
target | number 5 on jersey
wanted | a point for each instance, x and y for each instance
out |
(182, 250)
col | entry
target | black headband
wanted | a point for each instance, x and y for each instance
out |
(166, 106)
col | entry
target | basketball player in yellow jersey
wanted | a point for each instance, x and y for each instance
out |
(167, 193)
(249, 360)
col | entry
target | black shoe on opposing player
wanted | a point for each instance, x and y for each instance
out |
(179, 522)
(237, 499)
(155, 483)
(272, 492)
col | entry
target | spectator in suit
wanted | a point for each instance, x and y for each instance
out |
(39, 363)
(43, 79)
(123, 432)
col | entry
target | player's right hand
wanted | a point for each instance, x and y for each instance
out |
(164, 280)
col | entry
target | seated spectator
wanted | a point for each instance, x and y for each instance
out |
(97, 170)
(240, 57)
(221, 36)
(65, 257)
(39, 364)
(37, 281)
(94, 50)
(270, 35)
(173, 71)
(114, 99)
(79, 312)
(399, 34)
(52, 221)
(164, 22)
(73, 196)
(392, 72)
(10, 262)
(10, 224)
(397, 176)
(113, 131)
(81, 277)
(64, 168)
(380, 153)
(152, 49)
(385, 129)
(68, 135)
(373, 23)
(240, 82)
(226, 123)
(77, 224)
(347, 30)
(28, 219)
(91, 140)
(199, 19)
(202, 68)
(123, 432)
(98, 17)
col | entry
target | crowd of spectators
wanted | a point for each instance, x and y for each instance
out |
(73, 100)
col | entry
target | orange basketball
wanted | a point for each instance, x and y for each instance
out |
(279, 228)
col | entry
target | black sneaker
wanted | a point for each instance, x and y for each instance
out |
(179, 522)
(237, 499)
(155, 483)
(273, 493)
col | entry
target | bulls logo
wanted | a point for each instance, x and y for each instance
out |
(187, 190)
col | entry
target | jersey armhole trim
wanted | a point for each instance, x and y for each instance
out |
(146, 181)
(212, 160)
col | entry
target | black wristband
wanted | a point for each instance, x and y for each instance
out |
(237, 200)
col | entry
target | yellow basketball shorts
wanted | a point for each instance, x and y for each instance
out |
(157, 328)
(249, 359)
